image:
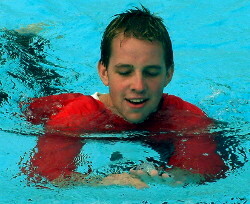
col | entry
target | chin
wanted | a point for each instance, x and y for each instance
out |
(136, 120)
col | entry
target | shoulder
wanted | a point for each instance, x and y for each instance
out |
(60, 99)
(41, 109)
(176, 103)
(75, 117)
(183, 115)
(83, 104)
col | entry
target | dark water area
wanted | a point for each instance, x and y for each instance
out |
(211, 55)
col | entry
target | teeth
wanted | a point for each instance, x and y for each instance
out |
(136, 100)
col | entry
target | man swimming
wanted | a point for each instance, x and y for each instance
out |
(136, 64)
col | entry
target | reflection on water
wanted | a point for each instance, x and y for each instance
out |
(231, 147)
(25, 68)
(99, 155)
(23, 57)
(102, 153)
(25, 72)
(3, 97)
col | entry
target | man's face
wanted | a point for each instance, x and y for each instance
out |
(136, 76)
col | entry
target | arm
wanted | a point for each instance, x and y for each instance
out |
(189, 150)
(55, 157)
(40, 110)
(192, 159)
(197, 154)
(195, 150)
(56, 160)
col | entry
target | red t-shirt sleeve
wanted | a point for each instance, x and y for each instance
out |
(196, 149)
(55, 156)
(184, 115)
(171, 101)
(197, 154)
(39, 110)
(76, 117)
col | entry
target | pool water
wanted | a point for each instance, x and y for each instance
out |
(211, 50)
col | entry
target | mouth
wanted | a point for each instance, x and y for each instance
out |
(137, 101)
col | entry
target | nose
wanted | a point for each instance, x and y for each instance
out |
(138, 83)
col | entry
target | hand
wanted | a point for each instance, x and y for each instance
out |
(74, 179)
(173, 177)
(123, 179)
(155, 176)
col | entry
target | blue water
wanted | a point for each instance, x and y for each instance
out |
(211, 48)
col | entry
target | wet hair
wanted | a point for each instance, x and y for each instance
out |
(140, 24)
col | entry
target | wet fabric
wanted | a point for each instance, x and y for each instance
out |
(67, 117)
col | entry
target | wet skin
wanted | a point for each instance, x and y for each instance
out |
(136, 76)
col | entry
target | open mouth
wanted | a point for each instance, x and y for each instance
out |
(137, 101)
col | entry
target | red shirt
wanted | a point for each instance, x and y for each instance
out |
(75, 114)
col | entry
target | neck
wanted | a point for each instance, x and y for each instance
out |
(106, 100)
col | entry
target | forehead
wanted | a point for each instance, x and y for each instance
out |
(130, 46)
(122, 40)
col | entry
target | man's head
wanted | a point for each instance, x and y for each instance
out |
(139, 24)
(136, 64)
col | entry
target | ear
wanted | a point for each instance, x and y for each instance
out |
(170, 73)
(103, 73)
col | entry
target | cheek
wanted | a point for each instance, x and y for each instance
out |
(118, 85)
(116, 89)
(157, 87)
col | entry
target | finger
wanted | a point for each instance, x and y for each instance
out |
(154, 173)
(171, 180)
(155, 177)
(132, 171)
(142, 175)
(167, 178)
(165, 175)
(137, 172)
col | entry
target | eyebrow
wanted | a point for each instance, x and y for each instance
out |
(153, 67)
(131, 66)
(124, 66)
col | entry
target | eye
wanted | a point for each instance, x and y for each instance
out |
(124, 70)
(124, 73)
(152, 73)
